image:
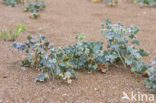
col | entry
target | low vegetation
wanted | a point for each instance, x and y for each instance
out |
(121, 44)
(147, 2)
(33, 7)
(151, 80)
(10, 2)
(62, 62)
(107, 2)
(11, 36)
(115, 2)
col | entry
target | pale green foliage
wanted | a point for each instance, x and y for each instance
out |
(121, 43)
(151, 80)
(10, 2)
(148, 2)
(34, 8)
(13, 2)
(111, 2)
(60, 62)
(11, 36)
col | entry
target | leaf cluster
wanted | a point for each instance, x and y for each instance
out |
(151, 80)
(108, 2)
(10, 2)
(60, 62)
(111, 2)
(122, 46)
(147, 2)
(34, 8)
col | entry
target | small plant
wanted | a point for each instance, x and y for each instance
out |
(121, 43)
(111, 2)
(151, 80)
(147, 2)
(34, 8)
(35, 15)
(13, 2)
(108, 2)
(12, 36)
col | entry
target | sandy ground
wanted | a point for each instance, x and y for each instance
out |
(59, 21)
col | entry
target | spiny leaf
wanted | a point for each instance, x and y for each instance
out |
(42, 77)
(135, 42)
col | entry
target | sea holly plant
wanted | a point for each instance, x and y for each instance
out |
(10, 2)
(151, 80)
(60, 62)
(147, 2)
(85, 54)
(108, 2)
(123, 45)
(111, 2)
(34, 8)
(42, 55)
(11, 36)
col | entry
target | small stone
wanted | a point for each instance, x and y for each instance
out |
(23, 68)
(63, 95)
(145, 13)
(95, 89)
(1, 101)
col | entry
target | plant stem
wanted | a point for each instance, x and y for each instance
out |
(115, 65)
(122, 60)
